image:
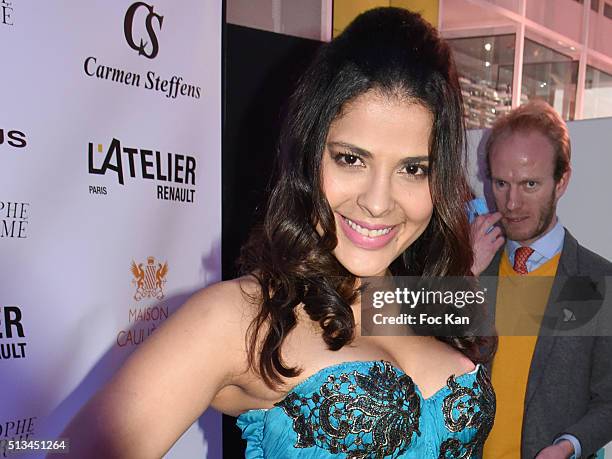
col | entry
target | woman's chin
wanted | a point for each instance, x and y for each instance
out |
(367, 272)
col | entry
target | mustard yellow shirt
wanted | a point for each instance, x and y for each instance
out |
(521, 300)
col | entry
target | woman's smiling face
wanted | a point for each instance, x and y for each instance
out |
(375, 177)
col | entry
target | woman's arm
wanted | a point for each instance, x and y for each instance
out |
(168, 382)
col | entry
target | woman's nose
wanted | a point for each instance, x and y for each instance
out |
(376, 199)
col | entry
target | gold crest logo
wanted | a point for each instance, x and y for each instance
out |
(150, 279)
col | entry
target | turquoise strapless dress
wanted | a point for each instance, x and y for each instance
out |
(373, 410)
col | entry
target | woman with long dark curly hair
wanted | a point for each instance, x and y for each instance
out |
(370, 182)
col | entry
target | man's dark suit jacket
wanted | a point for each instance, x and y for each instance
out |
(569, 388)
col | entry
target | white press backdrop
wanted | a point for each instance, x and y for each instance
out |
(89, 267)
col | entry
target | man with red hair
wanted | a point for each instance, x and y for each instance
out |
(554, 394)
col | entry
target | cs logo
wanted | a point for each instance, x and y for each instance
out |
(128, 25)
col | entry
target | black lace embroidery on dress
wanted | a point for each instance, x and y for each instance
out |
(464, 407)
(376, 421)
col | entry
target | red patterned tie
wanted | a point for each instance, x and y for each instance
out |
(520, 259)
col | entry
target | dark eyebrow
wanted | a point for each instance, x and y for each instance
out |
(366, 154)
(353, 148)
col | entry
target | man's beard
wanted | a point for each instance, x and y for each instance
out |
(547, 213)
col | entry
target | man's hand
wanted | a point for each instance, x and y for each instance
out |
(484, 244)
(561, 450)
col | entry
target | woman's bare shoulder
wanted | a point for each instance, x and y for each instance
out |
(197, 352)
(213, 324)
(235, 300)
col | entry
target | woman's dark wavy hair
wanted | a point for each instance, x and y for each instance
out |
(397, 53)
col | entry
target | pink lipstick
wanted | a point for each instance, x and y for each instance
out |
(368, 242)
